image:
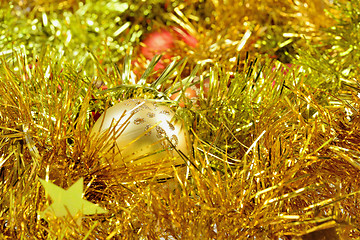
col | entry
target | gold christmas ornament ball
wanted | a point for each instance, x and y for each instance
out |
(138, 131)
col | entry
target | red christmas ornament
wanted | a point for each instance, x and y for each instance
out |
(189, 93)
(193, 92)
(164, 42)
(185, 36)
(157, 43)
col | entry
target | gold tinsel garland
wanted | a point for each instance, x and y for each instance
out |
(275, 147)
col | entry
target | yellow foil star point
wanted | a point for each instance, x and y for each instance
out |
(69, 201)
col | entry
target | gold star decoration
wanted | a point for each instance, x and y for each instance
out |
(69, 201)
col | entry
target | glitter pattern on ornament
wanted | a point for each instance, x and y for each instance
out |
(140, 131)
